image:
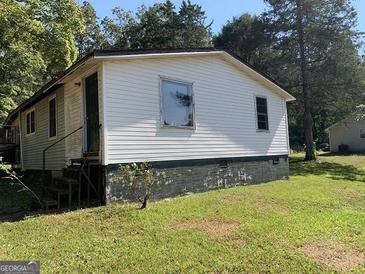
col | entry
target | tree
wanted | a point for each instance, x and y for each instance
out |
(116, 29)
(308, 119)
(157, 26)
(192, 27)
(37, 41)
(309, 46)
(141, 178)
(92, 38)
(315, 36)
(154, 27)
(249, 37)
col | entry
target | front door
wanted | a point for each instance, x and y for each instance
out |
(91, 115)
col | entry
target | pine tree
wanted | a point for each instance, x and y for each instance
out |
(311, 34)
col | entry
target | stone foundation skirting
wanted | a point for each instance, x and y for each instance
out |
(190, 176)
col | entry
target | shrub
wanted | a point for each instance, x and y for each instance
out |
(141, 179)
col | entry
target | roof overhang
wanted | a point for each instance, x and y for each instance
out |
(47, 89)
(102, 55)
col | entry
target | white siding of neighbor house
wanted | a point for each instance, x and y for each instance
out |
(225, 112)
(74, 111)
(347, 133)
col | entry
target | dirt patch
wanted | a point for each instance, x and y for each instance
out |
(214, 227)
(335, 255)
(350, 193)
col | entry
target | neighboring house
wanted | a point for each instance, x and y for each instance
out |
(202, 117)
(348, 134)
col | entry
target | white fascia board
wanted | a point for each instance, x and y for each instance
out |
(261, 78)
(156, 55)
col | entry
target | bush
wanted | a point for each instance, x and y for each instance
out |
(141, 179)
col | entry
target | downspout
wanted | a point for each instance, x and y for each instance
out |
(21, 141)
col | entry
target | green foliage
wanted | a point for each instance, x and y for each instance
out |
(16, 180)
(92, 38)
(37, 41)
(335, 72)
(41, 38)
(14, 195)
(323, 201)
(249, 37)
(141, 179)
(157, 26)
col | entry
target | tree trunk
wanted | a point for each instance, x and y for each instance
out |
(308, 120)
(144, 203)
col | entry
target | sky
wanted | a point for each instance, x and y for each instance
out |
(220, 11)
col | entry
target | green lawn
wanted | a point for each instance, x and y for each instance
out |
(312, 223)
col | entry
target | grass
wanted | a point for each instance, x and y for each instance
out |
(261, 228)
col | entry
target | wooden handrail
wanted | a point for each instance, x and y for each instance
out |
(52, 145)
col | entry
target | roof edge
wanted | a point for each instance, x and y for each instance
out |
(45, 88)
(262, 74)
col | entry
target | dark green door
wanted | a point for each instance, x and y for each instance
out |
(92, 114)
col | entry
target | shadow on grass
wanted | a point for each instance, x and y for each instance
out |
(336, 171)
(326, 154)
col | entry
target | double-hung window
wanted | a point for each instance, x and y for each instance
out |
(177, 105)
(262, 113)
(30, 122)
(52, 118)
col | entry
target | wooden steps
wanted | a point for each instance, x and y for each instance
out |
(76, 179)
(49, 202)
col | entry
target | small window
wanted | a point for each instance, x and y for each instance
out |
(262, 115)
(52, 116)
(30, 122)
(177, 104)
(362, 133)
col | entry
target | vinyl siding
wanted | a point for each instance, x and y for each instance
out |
(34, 144)
(225, 112)
(347, 133)
(74, 114)
(73, 118)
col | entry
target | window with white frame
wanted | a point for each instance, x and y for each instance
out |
(362, 133)
(262, 113)
(30, 122)
(177, 104)
(52, 118)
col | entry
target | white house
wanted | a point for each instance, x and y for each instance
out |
(347, 135)
(202, 117)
